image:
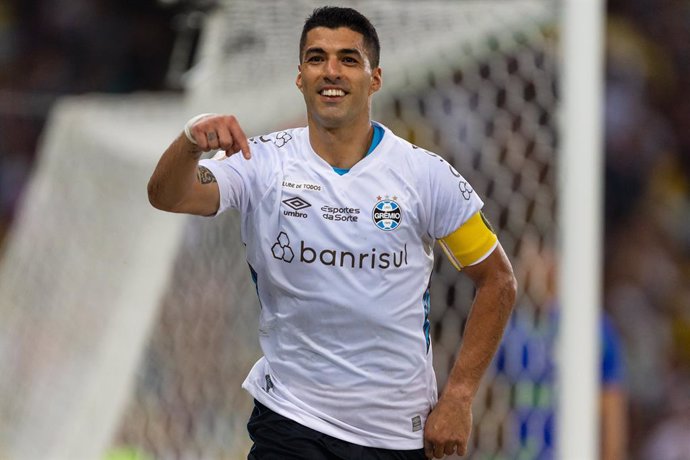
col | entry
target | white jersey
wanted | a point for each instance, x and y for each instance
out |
(342, 266)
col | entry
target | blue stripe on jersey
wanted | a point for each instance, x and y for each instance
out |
(255, 278)
(426, 300)
(375, 141)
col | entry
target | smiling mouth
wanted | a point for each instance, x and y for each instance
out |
(332, 92)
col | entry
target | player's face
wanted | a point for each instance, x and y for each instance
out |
(336, 77)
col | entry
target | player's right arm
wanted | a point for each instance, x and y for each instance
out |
(179, 183)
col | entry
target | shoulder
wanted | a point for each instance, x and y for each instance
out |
(430, 167)
(418, 158)
(269, 151)
(284, 140)
(400, 146)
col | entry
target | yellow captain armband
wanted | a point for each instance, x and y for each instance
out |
(470, 243)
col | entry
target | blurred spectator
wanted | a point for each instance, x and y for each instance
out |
(670, 440)
(50, 48)
(527, 360)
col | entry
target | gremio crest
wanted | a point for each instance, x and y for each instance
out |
(387, 214)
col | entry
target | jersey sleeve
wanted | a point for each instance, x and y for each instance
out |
(452, 200)
(241, 182)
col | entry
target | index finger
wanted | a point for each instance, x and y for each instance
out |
(240, 138)
(428, 449)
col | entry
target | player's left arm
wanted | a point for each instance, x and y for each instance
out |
(449, 424)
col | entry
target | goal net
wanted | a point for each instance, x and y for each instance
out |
(123, 327)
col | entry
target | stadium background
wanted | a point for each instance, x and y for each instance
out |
(55, 48)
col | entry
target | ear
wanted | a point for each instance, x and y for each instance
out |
(298, 82)
(376, 80)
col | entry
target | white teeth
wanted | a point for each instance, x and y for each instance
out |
(333, 92)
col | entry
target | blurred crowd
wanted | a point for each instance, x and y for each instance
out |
(647, 246)
(50, 48)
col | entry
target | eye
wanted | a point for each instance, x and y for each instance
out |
(314, 58)
(349, 60)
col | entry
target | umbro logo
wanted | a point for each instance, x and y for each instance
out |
(297, 203)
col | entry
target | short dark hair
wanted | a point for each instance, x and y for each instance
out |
(333, 17)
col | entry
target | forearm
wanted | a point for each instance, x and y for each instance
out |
(490, 311)
(614, 433)
(175, 174)
(449, 424)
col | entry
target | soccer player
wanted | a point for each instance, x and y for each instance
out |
(339, 219)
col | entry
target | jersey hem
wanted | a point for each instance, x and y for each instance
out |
(323, 428)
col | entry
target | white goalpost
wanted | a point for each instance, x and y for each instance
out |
(581, 227)
(122, 326)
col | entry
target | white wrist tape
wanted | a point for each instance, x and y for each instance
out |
(192, 121)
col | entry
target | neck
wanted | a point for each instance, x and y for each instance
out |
(341, 147)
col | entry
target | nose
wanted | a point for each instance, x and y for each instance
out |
(332, 68)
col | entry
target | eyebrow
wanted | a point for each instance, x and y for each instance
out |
(346, 51)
